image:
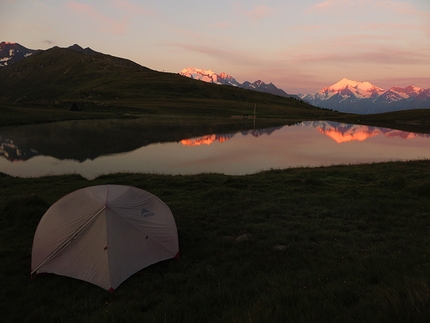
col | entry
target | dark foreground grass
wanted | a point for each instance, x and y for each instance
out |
(333, 244)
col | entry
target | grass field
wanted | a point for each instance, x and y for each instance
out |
(332, 244)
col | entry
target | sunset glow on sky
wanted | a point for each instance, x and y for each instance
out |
(300, 46)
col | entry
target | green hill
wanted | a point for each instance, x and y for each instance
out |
(41, 87)
(60, 75)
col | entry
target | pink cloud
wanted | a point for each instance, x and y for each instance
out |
(402, 7)
(221, 25)
(376, 29)
(231, 56)
(396, 26)
(383, 55)
(384, 44)
(259, 12)
(131, 8)
(328, 4)
(256, 13)
(107, 24)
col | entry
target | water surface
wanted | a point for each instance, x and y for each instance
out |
(306, 144)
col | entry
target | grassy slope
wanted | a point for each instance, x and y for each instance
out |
(64, 74)
(409, 120)
(40, 88)
(334, 244)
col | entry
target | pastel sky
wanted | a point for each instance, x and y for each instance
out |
(300, 46)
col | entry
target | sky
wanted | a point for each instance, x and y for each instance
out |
(300, 46)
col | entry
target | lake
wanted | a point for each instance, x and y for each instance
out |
(90, 149)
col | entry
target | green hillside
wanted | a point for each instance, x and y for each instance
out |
(41, 88)
(58, 76)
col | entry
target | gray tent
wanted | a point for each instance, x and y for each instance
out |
(104, 234)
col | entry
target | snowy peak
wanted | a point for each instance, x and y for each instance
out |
(365, 97)
(13, 52)
(364, 86)
(209, 76)
(342, 84)
(225, 79)
(347, 87)
(407, 92)
(363, 90)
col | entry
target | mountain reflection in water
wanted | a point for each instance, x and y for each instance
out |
(312, 143)
(349, 132)
(339, 132)
(210, 139)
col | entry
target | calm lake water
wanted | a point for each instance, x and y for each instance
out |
(305, 144)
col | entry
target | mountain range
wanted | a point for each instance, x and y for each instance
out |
(57, 73)
(225, 79)
(344, 96)
(365, 98)
(77, 74)
(12, 52)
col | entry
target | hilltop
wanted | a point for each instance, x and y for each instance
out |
(59, 76)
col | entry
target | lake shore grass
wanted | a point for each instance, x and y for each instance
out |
(346, 243)
(205, 112)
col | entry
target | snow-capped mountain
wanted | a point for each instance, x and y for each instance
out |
(13, 52)
(209, 76)
(346, 88)
(225, 79)
(364, 97)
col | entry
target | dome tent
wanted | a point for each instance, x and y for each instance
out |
(104, 234)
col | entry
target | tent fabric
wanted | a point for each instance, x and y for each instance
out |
(104, 234)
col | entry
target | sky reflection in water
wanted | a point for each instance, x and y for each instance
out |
(305, 144)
